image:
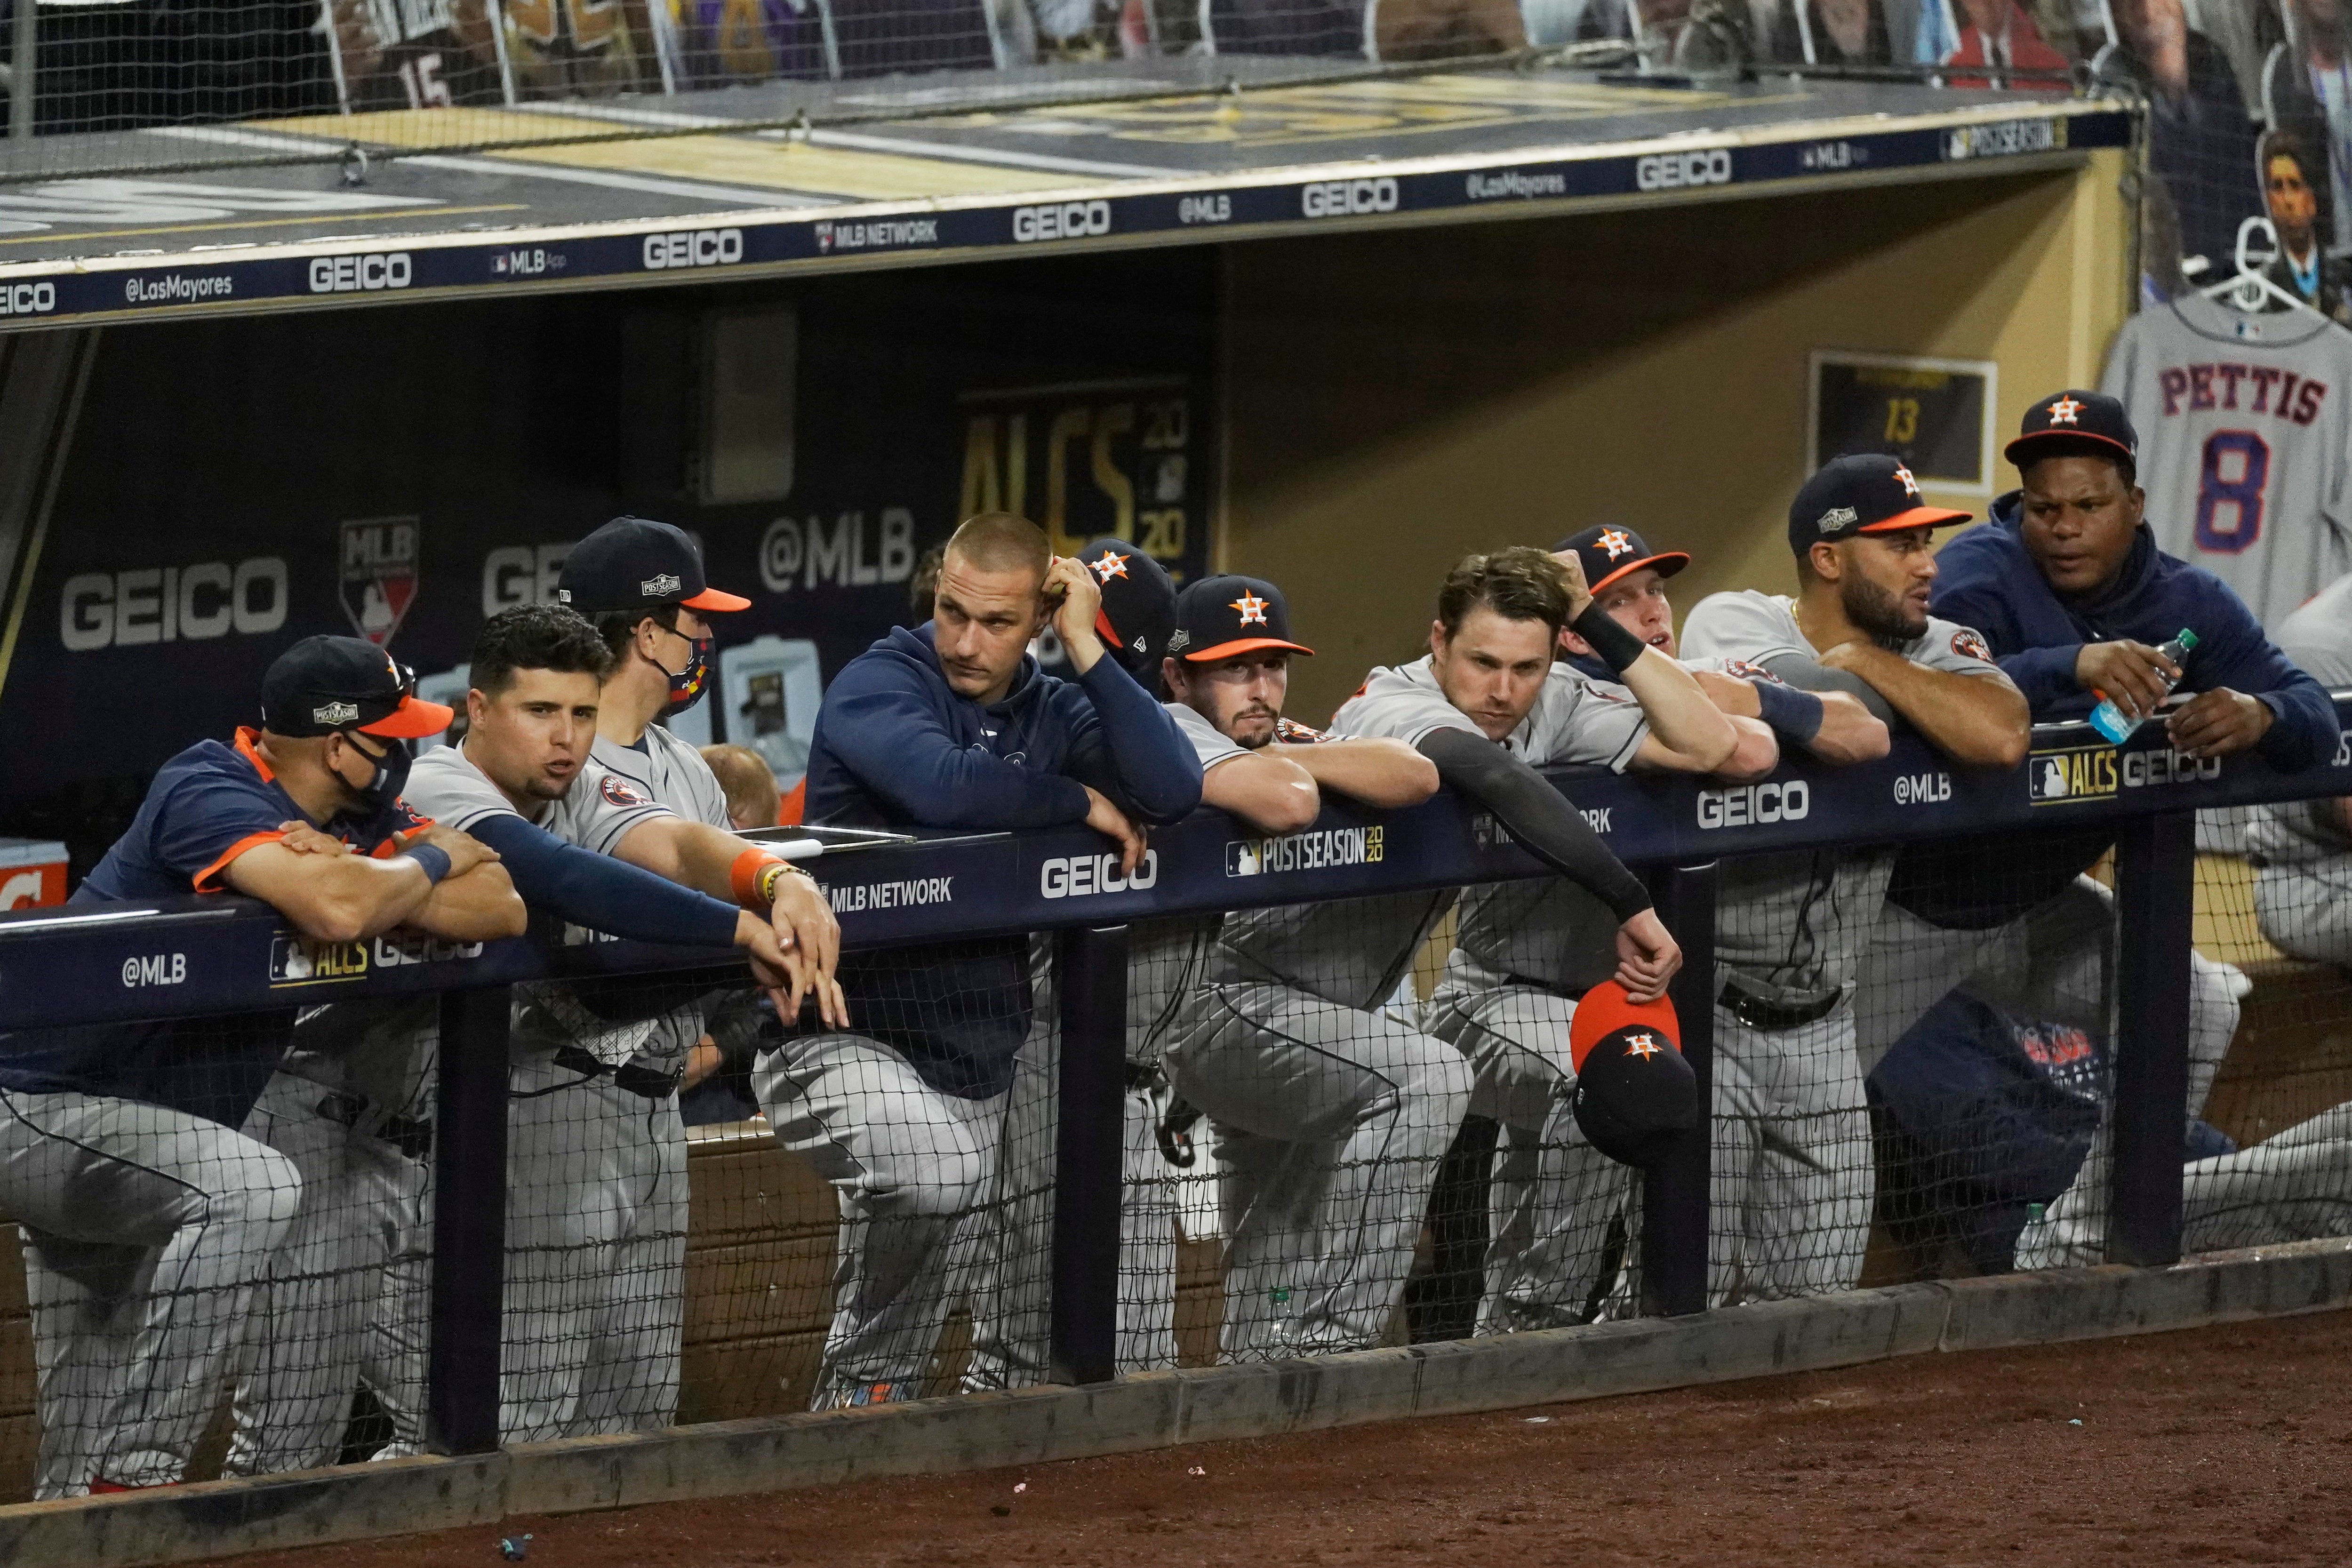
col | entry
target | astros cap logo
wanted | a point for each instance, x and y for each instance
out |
(1910, 484)
(1614, 542)
(2063, 411)
(1644, 1046)
(1253, 609)
(1112, 564)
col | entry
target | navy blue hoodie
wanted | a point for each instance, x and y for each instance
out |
(896, 747)
(1986, 580)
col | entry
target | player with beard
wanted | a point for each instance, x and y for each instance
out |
(1792, 1173)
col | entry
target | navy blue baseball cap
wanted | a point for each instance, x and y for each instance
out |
(1867, 492)
(1218, 617)
(636, 564)
(2075, 423)
(1608, 552)
(1634, 1092)
(1139, 604)
(323, 684)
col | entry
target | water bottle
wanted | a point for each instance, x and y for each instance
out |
(2111, 721)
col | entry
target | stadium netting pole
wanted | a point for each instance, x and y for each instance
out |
(2155, 886)
(1092, 988)
(469, 1232)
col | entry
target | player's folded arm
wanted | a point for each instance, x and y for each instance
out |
(1157, 771)
(332, 898)
(1380, 771)
(1268, 792)
(600, 892)
(478, 904)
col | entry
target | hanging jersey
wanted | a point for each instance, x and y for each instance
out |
(2245, 428)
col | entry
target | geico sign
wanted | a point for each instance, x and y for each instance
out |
(354, 274)
(1065, 220)
(28, 298)
(1339, 198)
(1080, 875)
(1673, 171)
(693, 247)
(1755, 805)
(169, 604)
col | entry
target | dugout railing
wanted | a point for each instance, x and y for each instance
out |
(219, 957)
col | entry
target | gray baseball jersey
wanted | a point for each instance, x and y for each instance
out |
(1547, 929)
(1794, 925)
(666, 768)
(1163, 956)
(2245, 428)
(1354, 951)
(2317, 636)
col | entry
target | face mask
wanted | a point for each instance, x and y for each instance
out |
(686, 686)
(390, 777)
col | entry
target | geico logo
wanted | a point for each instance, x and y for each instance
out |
(155, 969)
(693, 247)
(353, 274)
(1674, 171)
(1922, 789)
(1338, 198)
(1067, 220)
(171, 604)
(2144, 768)
(1755, 805)
(1080, 875)
(28, 298)
(522, 574)
(416, 948)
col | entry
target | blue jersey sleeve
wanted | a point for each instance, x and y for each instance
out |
(2239, 656)
(208, 819)
(1124, 743)
(602, 893)
(885, 733)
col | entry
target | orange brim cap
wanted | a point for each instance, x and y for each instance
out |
(717, 599)
(1605, 1009)
(1244, 645)
(1917, 517)
(413, 720)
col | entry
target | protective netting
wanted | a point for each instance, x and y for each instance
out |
(1343, 1125)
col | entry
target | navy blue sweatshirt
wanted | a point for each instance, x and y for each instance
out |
(1987, 581)
(896, 747)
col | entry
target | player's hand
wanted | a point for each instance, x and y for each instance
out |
(464, 850)
(2219, 722)
(1112, 823)
(1077, 599)
(1647, 956)
(304, 839)
(805, 925)
(1579, 596)
(2129, 674)
(786, 975)
(701, 1063)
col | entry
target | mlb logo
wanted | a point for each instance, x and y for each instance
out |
(295, 961)
(1243, 859)
(290, 960)
(377, 581)
(2084, 773)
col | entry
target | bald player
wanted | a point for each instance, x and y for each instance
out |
(1331, 1113)
(1793, 1170)
(1525, 952)
(148, 1219)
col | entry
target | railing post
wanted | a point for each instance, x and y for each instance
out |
(2156, 887)
(1090, 1101)
(470, 1226)
(1675, 1190)
(24, 69)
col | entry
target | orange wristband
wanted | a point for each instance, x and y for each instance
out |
(744, 878)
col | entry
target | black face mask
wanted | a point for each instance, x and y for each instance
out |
(391, 775)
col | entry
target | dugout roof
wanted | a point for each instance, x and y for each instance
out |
(705, 200)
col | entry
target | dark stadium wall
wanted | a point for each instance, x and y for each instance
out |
(1400, 398)
(237, 484)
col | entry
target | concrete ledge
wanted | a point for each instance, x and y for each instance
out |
(1164, 1409)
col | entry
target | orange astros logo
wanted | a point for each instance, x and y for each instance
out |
(1112, 564)
(1643, 1046)
(2063, 411)
(1613, 540)
(1910, 484)
(1253, 609)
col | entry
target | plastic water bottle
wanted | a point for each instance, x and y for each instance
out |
(2111, 721)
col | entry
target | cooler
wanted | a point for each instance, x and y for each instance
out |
(32, 871)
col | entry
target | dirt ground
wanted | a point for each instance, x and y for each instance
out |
(2223, 1445)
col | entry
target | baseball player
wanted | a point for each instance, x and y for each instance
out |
(592, 1229)
(1523, 953)
(1332, 1113)
(1793, 1174)
(2303, 849)
(951, 724)
(148, 1219)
